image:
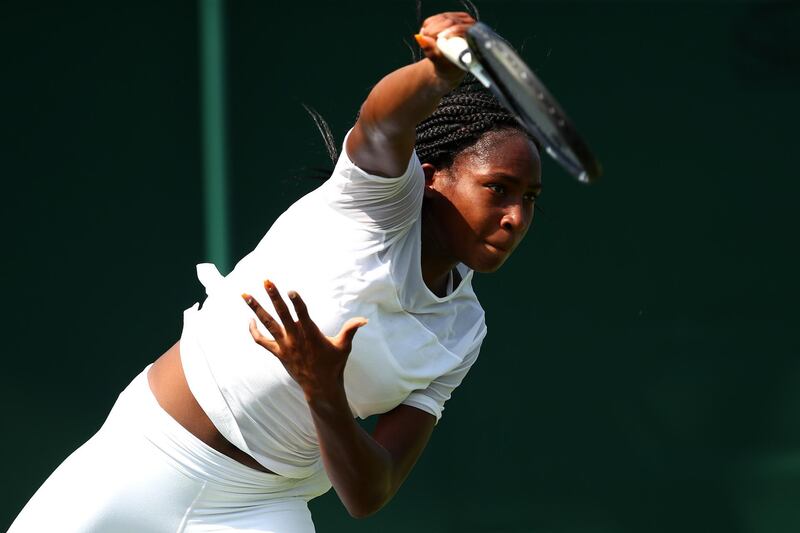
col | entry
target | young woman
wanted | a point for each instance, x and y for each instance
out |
(242, 422)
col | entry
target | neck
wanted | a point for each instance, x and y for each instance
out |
(437, 262)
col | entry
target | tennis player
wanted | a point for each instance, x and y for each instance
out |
(251, 414)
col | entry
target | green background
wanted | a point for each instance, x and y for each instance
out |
(642, 370)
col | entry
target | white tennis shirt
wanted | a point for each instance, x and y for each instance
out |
(350, 248)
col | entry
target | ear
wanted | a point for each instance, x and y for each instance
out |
(429, 171)
(433, 179)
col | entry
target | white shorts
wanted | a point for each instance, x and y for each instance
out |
(144, 473)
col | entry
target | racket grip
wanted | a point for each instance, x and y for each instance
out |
(456, 49)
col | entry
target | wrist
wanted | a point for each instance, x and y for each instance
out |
(444, 76)
(326, 398)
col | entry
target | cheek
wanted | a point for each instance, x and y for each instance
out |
(479, 210)
(456, 220)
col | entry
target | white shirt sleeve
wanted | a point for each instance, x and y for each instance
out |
(384, 204)
(432, 399)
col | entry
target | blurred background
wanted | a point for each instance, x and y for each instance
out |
(642, 369)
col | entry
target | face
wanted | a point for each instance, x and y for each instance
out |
(483, 204)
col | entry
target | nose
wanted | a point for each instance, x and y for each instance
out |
(514, 218)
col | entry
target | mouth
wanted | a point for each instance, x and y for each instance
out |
(498, 248)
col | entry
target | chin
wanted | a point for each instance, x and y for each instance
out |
(487, 265)
(488, 270)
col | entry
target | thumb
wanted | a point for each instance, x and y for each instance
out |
(345, 337)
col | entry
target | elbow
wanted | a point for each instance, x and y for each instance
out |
(368, 504)
(360, 513)
(363, 511)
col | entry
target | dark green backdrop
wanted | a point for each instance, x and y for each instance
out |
(642, 370)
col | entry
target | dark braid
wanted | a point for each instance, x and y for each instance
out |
(463, 116)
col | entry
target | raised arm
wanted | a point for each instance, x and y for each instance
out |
(384, 134)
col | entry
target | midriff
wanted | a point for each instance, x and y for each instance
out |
(171, 390)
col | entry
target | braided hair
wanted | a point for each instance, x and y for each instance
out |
(463, 116)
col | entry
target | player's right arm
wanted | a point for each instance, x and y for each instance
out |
(384, 135)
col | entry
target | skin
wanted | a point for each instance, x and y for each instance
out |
(479, 209)
(476, 212)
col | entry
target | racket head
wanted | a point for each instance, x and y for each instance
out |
(521, 92)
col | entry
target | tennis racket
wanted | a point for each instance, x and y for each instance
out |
(498, 67)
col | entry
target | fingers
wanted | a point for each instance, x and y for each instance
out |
(286, 335)
(442, 25)
(433, 26)
(427, 44)
(303, 317)
(281, 308)
(345, 337)
(269, 344)
(343, 340)
(270, 323)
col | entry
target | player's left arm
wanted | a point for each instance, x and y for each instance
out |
(404, 432)
(366, 470)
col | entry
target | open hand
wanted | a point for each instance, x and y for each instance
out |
(314, 360)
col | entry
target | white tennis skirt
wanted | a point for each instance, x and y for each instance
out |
(144, 473)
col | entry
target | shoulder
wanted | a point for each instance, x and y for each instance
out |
(378, 203)
(348, 170)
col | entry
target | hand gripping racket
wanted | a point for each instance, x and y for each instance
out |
(498, 67)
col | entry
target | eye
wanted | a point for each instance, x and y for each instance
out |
(496, 188)
(531, 197)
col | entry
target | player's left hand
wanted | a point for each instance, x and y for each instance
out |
(314, 360)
